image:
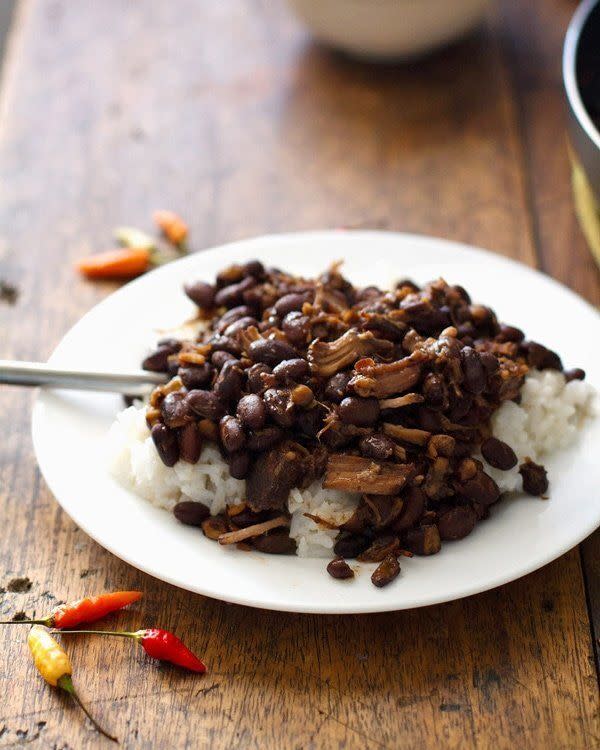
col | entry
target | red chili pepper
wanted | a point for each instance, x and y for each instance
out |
(157, 643)
(84, 610)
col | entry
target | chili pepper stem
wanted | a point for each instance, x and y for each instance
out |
(47, 622)
(124, 634)
(66, 684)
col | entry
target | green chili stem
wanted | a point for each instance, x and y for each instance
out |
(123, 633)
(66, 684)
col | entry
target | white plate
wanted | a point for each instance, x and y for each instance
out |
(522, 535)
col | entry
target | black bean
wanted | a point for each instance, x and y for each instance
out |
(270, 351)
(233, 295)
(473, 370)
(256, 383)
(576, 373)
(205, 404)
(239, 464)
(232, 434)
(166, 444)
(158, 360)
(383, 328)
(256, 299)
(359, 411)
(230, 275)
(276, 542)
(440, 318)
(296, 328)
(498, 454)
(219, 358)
(191, 513)
(201, 293)
(254, 268)
(380, 447)
(540, 357)
(263, 439)
(462, 292)
(480, 489)
(190, 443)
(337, 386)
(175, 410)
(225, 344)
(457, 523)
(399, 284)
(535, 478)
(350, 545)
(240, 325)
(386, 571)
(173, 344)
(291, 370)
(251, 411)
(415, 307)
(424, 540)
(229, 317)
(290, 303)
(485, 319)
(272, 321)
(279, 406)
(509, 333)
(195, 376)
(336, 437)
(339, 568)
(247, 517)
(435, 392)
(368, 293)
(229, 382)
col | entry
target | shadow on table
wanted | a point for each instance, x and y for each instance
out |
(448, 91)
(392, 670)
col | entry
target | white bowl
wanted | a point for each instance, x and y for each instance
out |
(389, 29)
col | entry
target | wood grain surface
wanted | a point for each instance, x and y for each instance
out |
(228, 113)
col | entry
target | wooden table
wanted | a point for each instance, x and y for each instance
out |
(228, 113)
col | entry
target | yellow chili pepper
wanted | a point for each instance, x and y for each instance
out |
(53, 663)
(48, 656)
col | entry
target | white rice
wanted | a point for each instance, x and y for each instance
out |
(135, 464)
(548, 418)
(549, 415)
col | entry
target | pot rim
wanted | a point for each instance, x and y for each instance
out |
(569, 66)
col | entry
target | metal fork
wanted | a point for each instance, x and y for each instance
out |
(38, 373)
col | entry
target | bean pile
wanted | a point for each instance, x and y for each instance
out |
(388, 394)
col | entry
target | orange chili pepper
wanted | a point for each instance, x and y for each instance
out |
(53, 663)
(84, 610)
(122, 263)
(173, 227)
